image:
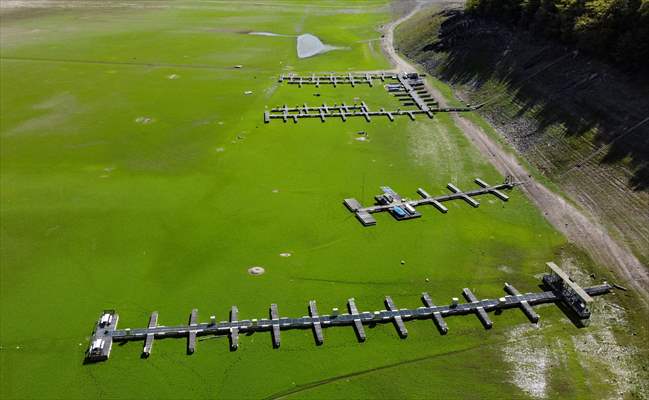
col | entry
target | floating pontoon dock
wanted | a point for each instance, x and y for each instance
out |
(408, 88)
(338, 79)
(560, 289)
(394, 204)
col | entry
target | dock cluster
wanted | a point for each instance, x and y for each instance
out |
(408, 88)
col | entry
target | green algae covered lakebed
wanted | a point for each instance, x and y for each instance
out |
(136, 174)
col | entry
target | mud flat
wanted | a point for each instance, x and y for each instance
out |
(268, 34)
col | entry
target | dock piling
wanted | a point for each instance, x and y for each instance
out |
(462, 195)
(396, 318)
(524, 305)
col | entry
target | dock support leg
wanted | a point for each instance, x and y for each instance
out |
(274, 320)
(358, 324)
(317, 327)
(439, 206)
(148, 342)
(191, 336)
(495, 192)
(442, 327)
(525, 306)
(398, 322)
(468, 199)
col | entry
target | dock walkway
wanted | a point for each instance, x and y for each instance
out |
(363, 213)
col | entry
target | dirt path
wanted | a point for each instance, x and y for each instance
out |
(581, 229)
(387, 41)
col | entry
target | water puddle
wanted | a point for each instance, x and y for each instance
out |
(309, 45)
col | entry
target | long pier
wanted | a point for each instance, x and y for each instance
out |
(560, 290)
(352, 79)
(344, 111)
(363, 214)
(407, 88)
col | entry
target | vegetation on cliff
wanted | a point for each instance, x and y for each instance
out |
(617, 30)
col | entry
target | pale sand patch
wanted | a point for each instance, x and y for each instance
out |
(256, 270)
(269, 91)
(269, 34)
(529, 358)
(144, 120)
(64, 99)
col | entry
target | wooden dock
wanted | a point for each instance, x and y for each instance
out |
(363, 214)
(563, 290)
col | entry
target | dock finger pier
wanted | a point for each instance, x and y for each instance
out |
(408, 88)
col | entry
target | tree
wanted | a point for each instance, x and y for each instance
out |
(617, 30)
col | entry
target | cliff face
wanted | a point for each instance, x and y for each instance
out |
(574, 118)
